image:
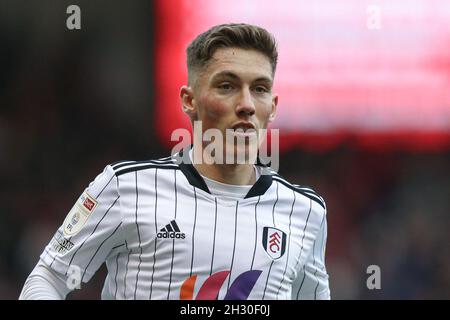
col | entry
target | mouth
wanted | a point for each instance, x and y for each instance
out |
(243, 129)
(243, 126)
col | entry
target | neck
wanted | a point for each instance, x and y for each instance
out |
(235, 174)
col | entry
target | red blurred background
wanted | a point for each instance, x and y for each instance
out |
(349, 71)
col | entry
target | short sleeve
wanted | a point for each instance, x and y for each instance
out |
(312, 280)
(90, 231)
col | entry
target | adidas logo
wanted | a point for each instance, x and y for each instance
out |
(171, 231)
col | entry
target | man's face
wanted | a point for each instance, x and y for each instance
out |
(234, 91)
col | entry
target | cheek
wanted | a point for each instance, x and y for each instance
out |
(263, 113)
(212, 108)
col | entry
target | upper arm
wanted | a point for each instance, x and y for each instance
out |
(90, 231)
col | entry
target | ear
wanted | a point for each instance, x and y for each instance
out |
(274, 108)
(187, 101)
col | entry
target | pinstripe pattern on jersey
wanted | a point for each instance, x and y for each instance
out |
(271, 263)
(311, 192)
(99, 194)
(93, 231)
(288, 241)
(139, 235)
(315, 272)
(193, 232)
(175, 227)
(303, 280)
(314, 261)
(267, 280)
(156, 231)
(234, 242)
(307, 193)
(256, 233)
(303, 238)
(298, 186)
(273, 208)
(301, 189)
(98, 248)
(214, 240)
(232, 230)
(126, 272)
(115, 276)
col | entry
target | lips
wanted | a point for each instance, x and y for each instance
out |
(243, 129)
(244, 126)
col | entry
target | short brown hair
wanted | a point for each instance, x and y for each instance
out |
(232, 35)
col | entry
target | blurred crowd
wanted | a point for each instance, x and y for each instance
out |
(73, 101)
(390, 210)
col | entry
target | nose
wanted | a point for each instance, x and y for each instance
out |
(245, 105)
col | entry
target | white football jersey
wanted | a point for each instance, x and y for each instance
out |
(163, 235)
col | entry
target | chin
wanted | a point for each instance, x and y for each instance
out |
(246, 153)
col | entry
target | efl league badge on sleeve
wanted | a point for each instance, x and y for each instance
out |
(79, 214)
(274, 242)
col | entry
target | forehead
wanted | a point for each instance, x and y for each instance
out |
(246, 64)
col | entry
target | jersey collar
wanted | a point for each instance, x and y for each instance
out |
(195, 179)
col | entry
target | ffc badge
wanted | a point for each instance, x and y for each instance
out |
(79, 214)
(274, 242)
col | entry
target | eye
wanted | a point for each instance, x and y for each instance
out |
(226, 86)
(261, 89)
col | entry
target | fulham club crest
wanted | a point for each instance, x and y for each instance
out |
(274, 242)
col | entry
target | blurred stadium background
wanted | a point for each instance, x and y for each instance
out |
(376, 146)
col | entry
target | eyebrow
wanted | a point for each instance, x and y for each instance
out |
(232, 75)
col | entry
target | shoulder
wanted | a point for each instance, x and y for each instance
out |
(304, 191)
(126, 166)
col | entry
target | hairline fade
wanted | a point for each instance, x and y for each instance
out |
(232, 35)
